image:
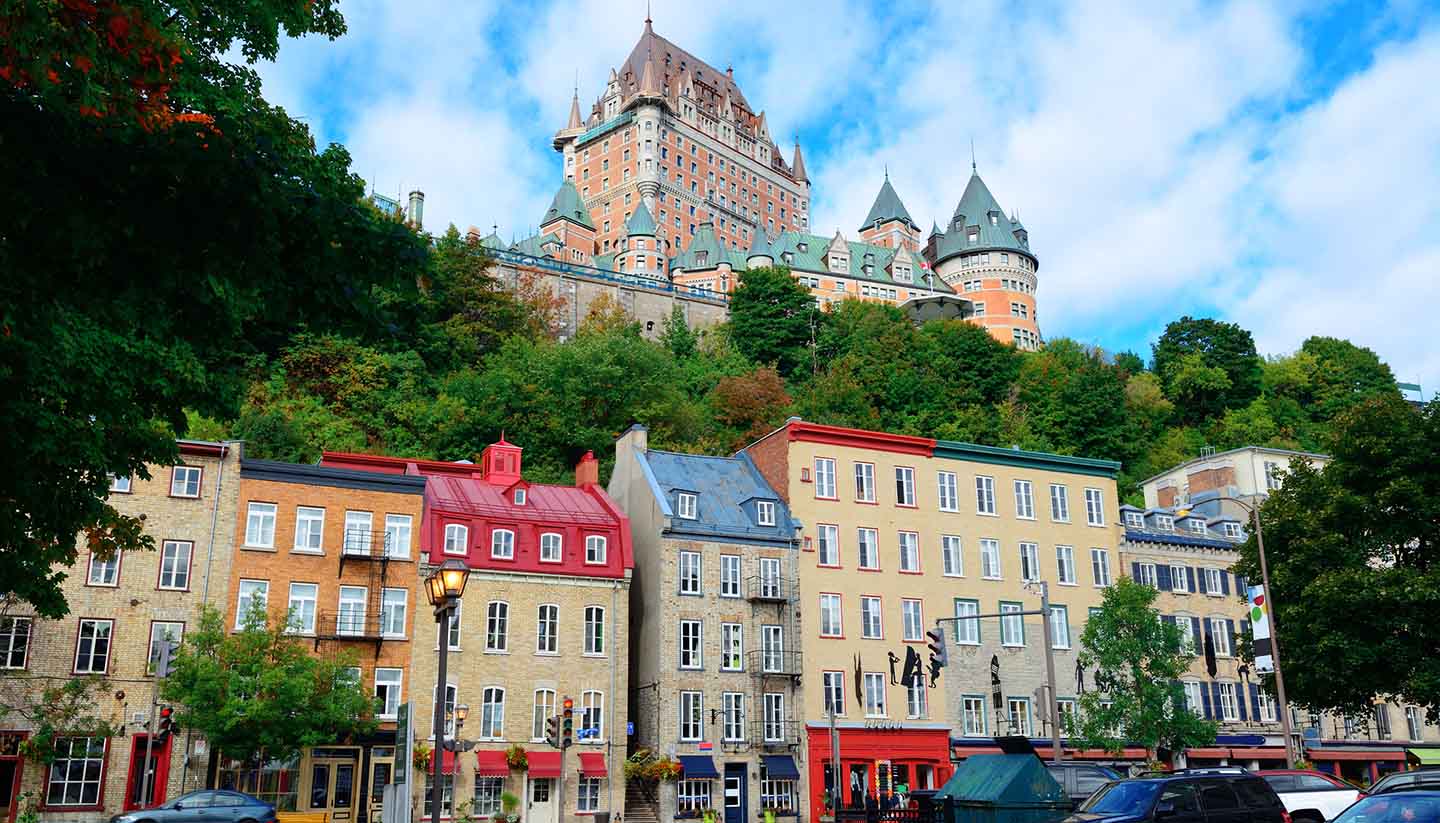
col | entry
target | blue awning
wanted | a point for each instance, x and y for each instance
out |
(698, 766)
(780, 767)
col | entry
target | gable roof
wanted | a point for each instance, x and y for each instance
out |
(724, 486)
(887, 207)
(567, 205)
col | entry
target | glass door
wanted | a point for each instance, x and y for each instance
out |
(333, 783)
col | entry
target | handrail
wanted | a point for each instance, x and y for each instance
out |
(582, 270)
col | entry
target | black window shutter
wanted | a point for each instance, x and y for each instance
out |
(1224, 582)
(1201, 574)
(1162, 577)
(1205, 701)
(1234, 638)
(1255, 701)
(1190, 573)
(1135, 572)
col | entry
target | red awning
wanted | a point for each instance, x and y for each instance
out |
(1373, 754)
(592, 764)
(1258, 752)
(447, 761)
(491, 764)
(1207, 753)
(543, 764)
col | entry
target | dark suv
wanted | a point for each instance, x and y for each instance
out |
(1080, 780)
(1187, 796)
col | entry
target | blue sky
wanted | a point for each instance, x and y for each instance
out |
(1274, 164)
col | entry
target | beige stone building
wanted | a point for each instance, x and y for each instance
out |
(1249, 473)
(542, 619)
(714, 631)
(120, 610)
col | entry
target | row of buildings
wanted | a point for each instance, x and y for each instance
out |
(726, 612)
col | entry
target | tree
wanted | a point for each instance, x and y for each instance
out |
(260, 690)
(750, 405)
(117, 318)
(773, 318)
(1076, 401)
(1137, 697)
(1350, 541)
(1206, 366)
(677, 336)
(55, 709)
(1130, 363)
(1345, 375)
(607, 315)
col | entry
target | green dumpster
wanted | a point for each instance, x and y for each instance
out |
(1002, 788)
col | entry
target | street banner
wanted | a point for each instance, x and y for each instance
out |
(1260, 628)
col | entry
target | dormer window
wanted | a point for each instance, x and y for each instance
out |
(1232, 531)
(974, 237)
(519, 497)
(685, 505)
(994, 220)
(803, 246)
(1133, 520)
(702, 257)
(765, 513)
(1198, 526)
(1164, 523)
(788, 257)
(839, 263)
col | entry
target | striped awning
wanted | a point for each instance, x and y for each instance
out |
(491, 764)
(592, 764)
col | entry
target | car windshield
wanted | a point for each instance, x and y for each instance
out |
(1126, 797)
(1401, 807)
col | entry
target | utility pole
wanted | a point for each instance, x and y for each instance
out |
(1284, 706)
(834, 763)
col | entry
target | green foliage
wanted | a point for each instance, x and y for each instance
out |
(1207, 366)
(53, 709)
(678, 338)
(1353, 540)
(773, 319)
(1138, 661)
(1076, 401)
(262, 690)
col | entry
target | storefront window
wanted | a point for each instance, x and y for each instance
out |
(276, 782)
(776, 794)
(692, 795)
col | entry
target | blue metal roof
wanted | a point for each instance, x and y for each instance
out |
(726, 490)
(1140, 536)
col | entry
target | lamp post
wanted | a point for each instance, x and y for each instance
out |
(443, 588)
(1284, 706)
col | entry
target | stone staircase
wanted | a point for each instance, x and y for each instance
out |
(641, 804)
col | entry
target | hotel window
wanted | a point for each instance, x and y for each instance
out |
(1232, 531)
(1059, 627)
(685, 505)
(547, 629)
(909, 551)
(1012, 625)
(104, 572)
(502, 544)
(774, 717)
(732, 647)
(252, 594)
(867, 541)
(951, 557)
(15, 641)
(595, 546)
(1193, 701)
(397, 535)
(550, 547)
(830, 620)
(1220, 636)
(874, 694)
(829, 538)
(765, 513)
(913, 618)
(393, 605)
(690, 709)
(1164, 523)
(984, 495)
(92, 646)
(120, 484)
(350, 619)
(456, 539)
(733, 705)
(1059, 503)
(989, 558)
(825, 478)
(387, 692)
(1018, 709)
(729, 575)
(260, 526)
(1029, 562)
(865, 482)
(1146, 575)
(1229, 707)
(1094, 507)
(949, 495)
(592, 716)
(904, 486)
(1024, 500)
(594, 630)
(77, 773)
(691, 653)
(974, 710)
(1065, 565)
(871, 626)
(689, 571)
(185, 481)
(1100, 566)
(1179, 580)
(309, 529)
(833, 684)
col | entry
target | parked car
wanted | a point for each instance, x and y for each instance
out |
(205, 806)
(1225, 795)
(1080, 780)
(1414, 806)
(1311, 796)
(1425, 777)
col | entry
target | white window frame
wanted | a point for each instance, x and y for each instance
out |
(1414, 723)
(1220, 635)
(1179, 579)
(873, 544)
(393, 683)
(985, 495)
(351, 610)
(1024, 500)
(1094, 507)
(1011, 624)
(732, 726)
(1024, 725)
(731, 574)
(15, 644)
(765, 512)
(1059, 503)
(686, 505)
(972, 710)
(399, 534)
(948, 491)
(592, 716)
(596, 548)
(1134, 520)
(260, 525)
(692, 708)
(825, 478)
(1229, 708)
(732, 647)
(170, 560)
(547, 628)
(394, 608)
(832, 686)
(874, 683)
(357, 521)
(1194, 701)
(1059, 627)
(832, 617)
(872, 621)
(1100, 567)
(1212, 582)
(772, 719)
(688, 570)
(552, 547)
(1164, 523)
(912, 614)
(309, 530)
(692, 645)
(94, 759)
(107, 636)
(990, 568)
(161, 631)
(952, 555)
(917, 703)
(1149, 575)
(242, 599)
(182, 477)
(905, 486)
(502, 544)
(301, 607)
(1266, 704)
(1065, 573)
(497, 627)
(457, 539)
(595, 641)
(104, 573)
(120, 483)
(542, 708)
(967, 632)
(909, 550)
(492, 713)
(1029, 557)
(864, 482)
(587, 794)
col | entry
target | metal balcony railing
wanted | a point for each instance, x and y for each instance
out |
(773, 663)
(367, 626)
(774, 734)
(769, 588)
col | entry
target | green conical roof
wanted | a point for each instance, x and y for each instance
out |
(887, 207)
(567, 205)
(979, 213)
(640, 222)
(761, 246)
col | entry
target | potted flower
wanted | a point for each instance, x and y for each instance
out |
(516, 758)
(507, 814)
(420, 757)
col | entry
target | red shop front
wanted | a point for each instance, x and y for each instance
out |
(874, 760)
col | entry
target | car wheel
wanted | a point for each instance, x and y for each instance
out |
(249, 820)
(1308, 816)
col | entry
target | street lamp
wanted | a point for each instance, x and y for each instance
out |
(444, 588)
(1284, 706)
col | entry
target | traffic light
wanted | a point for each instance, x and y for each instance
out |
(938, 654)
(567, 723)
(552, 730)
(166, 725)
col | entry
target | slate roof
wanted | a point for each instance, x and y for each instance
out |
(974, 211)
(887, 207)
(640, 222)
(723, 486)
(567, 205)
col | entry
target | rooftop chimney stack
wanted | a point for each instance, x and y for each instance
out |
(587, 471)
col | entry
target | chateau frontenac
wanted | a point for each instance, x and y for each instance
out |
(673, 186)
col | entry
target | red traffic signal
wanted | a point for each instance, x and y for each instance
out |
(166, 725)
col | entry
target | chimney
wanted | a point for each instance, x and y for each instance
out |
(587, 471)
(416, 213)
